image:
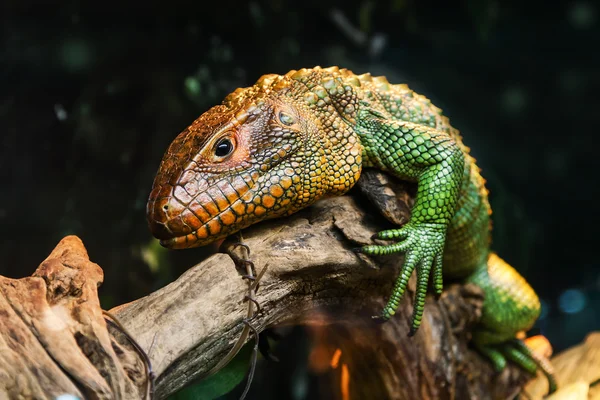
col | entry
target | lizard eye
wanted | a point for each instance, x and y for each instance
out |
(224, 147)
(286, 119)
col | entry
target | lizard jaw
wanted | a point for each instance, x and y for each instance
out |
(181, 226)
(186, 242)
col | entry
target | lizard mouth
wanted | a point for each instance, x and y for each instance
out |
(182, 242)
(174, 242)
(210, 216)
(178, 242)
(215, 228)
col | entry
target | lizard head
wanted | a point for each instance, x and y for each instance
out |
(259, 155)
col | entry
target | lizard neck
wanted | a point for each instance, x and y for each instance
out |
(329, 99)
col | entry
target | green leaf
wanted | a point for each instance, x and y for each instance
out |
(220, 383)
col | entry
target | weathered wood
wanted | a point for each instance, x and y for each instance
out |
(53, 338)
(577, 372)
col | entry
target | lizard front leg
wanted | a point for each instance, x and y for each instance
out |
(432, 158)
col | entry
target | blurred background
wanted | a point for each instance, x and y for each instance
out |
(91, 95)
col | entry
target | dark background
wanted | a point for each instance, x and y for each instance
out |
(92, 94)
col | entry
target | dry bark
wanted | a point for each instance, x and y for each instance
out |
(53, 338)
(577, 371)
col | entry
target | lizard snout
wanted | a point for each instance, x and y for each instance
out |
(162, 213)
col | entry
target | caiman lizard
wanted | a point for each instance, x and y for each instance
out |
(289, 140)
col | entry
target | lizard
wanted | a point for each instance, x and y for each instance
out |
(278, 146)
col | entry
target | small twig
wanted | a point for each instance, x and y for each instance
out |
(253, 359)
(258, 310)
(251, 315)
(147, 364)
(254, 286)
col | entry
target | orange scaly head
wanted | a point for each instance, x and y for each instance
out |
(263, 153)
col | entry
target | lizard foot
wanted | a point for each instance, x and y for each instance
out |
(423, 245)
(519, 353)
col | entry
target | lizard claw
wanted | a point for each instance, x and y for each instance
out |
(379, 319)
(412, 331)
(423, 245)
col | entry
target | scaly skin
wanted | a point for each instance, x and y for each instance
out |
(276, 147)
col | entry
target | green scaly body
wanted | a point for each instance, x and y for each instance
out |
(280, 145)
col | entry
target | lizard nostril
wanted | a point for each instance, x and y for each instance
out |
(161, 215)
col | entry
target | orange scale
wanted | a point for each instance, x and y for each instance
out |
(259, 211)
(214, 226)
(276, 190)
(228, 217)
(268, 201)
(239, 208)
(202, 232)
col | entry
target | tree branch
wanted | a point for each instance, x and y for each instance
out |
(52, 322)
